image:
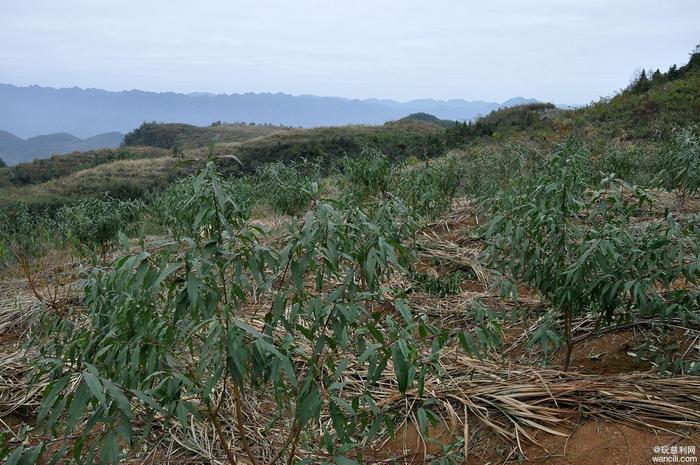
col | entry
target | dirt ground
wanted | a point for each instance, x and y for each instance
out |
(589, 443)
(600, 443)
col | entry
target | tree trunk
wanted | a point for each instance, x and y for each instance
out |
(569, 339)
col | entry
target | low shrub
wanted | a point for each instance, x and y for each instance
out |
(577, 248)
(288, 188)
(429, 188)
(368, 174)
(177, 208)
(681, 165)
(94, 223)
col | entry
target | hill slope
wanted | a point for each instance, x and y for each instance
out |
(652, 104)
(398, 139)
(148, 160)
(186, 136)
(59, 166)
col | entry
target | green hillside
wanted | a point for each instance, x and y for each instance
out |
(329, 144)
(39, 171)
(257, 144)
(651, 104)
(66, 178)
(185, 136)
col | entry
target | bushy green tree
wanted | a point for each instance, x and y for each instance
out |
(641, 83)
(672, 72)
(94, 223)
(288, 188)
(176, 210)
(578, 249)
(428, 188)
(23, 234)
(368, 173)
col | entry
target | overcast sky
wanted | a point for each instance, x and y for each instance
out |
(566, 51)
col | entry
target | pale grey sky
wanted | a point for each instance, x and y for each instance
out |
(566, 51)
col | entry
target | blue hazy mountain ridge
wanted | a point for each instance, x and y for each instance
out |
(14, 150)
(33, 110)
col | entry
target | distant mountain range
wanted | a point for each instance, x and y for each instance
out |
(14, 150)
(34, 110)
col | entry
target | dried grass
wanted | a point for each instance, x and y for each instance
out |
(17, 391)
(515, 400)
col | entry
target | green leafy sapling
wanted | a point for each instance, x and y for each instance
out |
(681, 165)
(578, 247)
(166, 333)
